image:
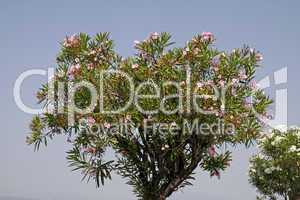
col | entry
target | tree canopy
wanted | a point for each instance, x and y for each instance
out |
(275, 171)
(164, 111)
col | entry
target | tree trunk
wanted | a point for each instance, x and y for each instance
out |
(156, 197)
(162, 198)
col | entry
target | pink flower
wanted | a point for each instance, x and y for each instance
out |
(248, 101)
(77, 66)
(90, 66)
(253, 85)
(248, 106)
(144, 55)
(216, 68)
(212, 151)
(216, 61)
(222, 107)
(73, 38)
(93, 52)
(74, 69)
(196, 50)
(91, 120)
(107, 125)
(136, 42)
(66, 43)
(182, 83)
(209, 82)
(221, 113)
(207, 36)
(222, 83)
(259, 57)
(134, 66)
(90, 150)
(200, 84)
(205, 96)
(233, 91)
(242, 75)
(234, 81)
(185, 51)
(154, 36)
(72, 41)
(127, 118)
(173, 124)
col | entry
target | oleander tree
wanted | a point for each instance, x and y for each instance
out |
(187, 96)
(275, 171)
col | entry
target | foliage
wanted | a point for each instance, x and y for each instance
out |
(276, 170)
(155, 164)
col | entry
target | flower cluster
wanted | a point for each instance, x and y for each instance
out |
(276, 170)
(207, 36)
(72, 41)
(74, 69)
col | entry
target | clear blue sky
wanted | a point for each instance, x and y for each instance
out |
(29, 35)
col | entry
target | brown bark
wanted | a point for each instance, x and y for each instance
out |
(185, 173)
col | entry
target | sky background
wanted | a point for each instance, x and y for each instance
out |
(29, 36)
